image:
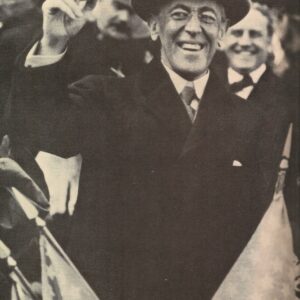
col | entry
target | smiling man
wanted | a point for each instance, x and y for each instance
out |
(245, 68)
(248, 43)
(176, 171)
(189, 52)
(248, 48)
(248, 74)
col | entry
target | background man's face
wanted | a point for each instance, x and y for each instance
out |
(113, 18)
(246, 43)
(189, 31)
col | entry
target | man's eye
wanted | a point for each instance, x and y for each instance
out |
(255, 34)
(236, 33)
(179, 15)
(208, 18)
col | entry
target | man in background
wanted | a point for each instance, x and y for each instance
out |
(246, 69)
(245, 66)
(116, 43)
(248, 51)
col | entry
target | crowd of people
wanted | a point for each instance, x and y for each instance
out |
(156, 130)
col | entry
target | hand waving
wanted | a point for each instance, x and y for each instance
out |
(62, 19)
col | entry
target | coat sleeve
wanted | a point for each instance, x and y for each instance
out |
(47, 113)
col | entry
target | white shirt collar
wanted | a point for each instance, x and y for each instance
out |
(180, 83)
(234, 76)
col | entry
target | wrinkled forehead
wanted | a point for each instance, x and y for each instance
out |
(192, 5)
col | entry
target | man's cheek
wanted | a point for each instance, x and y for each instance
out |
(230, 41)
(230, 50)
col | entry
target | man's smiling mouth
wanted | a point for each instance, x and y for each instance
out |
(246, 51)
(190, 46)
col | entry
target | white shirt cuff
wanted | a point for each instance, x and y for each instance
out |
(34, 61)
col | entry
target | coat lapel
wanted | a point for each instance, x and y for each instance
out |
(261, 91)
(213, 120)
(161, 98)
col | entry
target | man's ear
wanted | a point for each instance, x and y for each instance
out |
(153, 28)
(222, 32)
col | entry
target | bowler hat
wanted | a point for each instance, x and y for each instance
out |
(235, 10)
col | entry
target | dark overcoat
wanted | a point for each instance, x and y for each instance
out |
(277, 97)
(89, 56)
(165, 206)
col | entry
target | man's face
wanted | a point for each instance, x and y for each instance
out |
(189, 31)
(113, 18)
(246, 44)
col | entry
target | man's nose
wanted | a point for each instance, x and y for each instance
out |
(124, 15)
(193, 25)
(245, 39)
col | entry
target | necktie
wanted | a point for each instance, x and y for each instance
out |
(189, 97)
(245, 82)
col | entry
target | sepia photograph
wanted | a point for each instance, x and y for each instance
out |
(149, 150)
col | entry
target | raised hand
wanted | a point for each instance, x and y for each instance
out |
(63, 19)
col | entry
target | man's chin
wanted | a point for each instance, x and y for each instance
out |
(243, 69)
(189, 72)
(243, 64)
(118, 35)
